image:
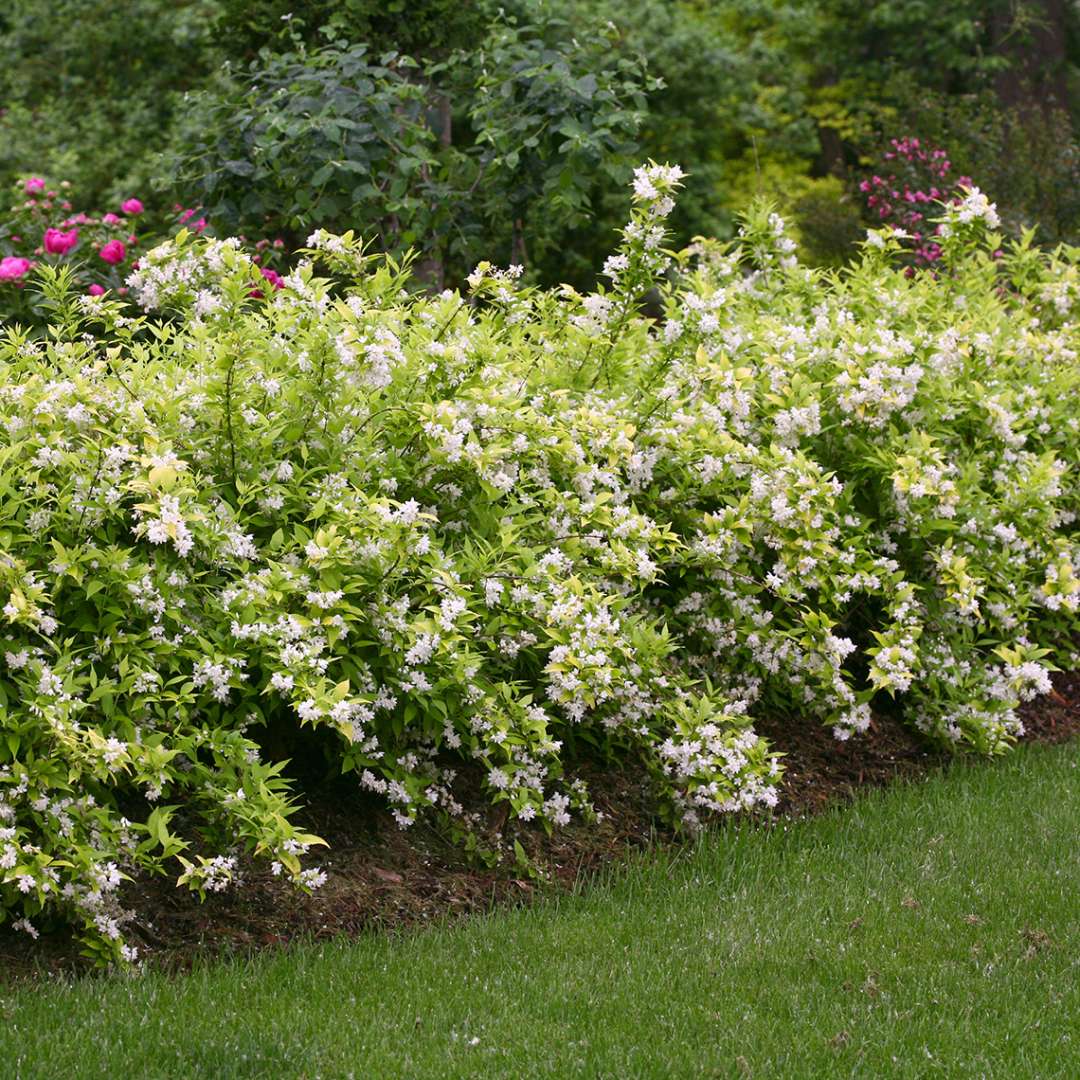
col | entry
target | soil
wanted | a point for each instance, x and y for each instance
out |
(383, 878)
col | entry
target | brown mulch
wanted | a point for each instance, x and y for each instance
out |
(382, 877)
(820, 770)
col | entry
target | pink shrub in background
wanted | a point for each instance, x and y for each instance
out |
(271, 276)
(909, 187)
(74, 237)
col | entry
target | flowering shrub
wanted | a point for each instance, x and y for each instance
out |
(492, 532)
(100, 249)
(914, 180)
(42, 226)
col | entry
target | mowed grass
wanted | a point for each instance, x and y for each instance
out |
(929, 930)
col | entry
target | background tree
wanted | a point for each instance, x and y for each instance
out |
(499, 125)
(89, 89)
(332, 136)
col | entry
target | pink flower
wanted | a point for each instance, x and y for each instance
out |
(12, 268)
(113, 252)
(60, 243)
(111, 219)
(273, 277)
(96, 290)
(34, 185)
(131, 206)
(196, 226)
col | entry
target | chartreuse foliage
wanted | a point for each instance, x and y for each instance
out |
(927, 930)
(502, 530)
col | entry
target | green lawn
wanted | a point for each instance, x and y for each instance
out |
(931, 930)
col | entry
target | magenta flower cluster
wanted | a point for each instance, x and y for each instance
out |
(912, 181)
(43, 227)
(109, 235)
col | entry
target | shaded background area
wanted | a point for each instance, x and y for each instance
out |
(504, 129)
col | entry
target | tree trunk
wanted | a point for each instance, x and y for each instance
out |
(1035, 49)
(431, 269)
(519, 254)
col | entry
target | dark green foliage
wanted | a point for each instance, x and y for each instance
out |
(554, 114)
(422, 27)
(454, 158)
(505, 135)
(89, 88)
(328, 134)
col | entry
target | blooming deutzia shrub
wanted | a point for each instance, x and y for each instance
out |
(486, 534)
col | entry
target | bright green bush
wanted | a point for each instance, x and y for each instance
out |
(493, 533)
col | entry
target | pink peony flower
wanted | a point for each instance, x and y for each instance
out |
(60, 243)
(96, 290)
(12, 268)
(113, 252)
(34, 185)
(131, 206)
(111, 219)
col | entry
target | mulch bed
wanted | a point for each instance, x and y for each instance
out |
(380, 877)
